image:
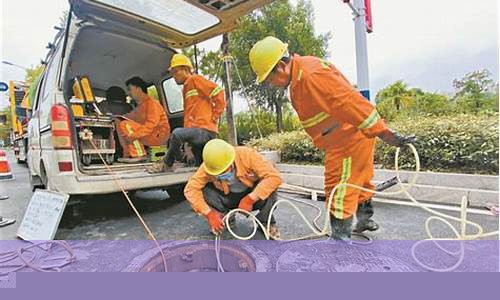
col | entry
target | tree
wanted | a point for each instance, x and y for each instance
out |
(394, 98)
(398, 100)
(32, 74)
(397, 94)
(284, 21)
(472, 90)
(5, 127)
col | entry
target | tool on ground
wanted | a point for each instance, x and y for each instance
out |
(323, 231)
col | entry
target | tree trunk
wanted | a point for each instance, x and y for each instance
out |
(232, 137)
(279, 116)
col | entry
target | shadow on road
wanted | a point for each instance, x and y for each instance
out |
(98, 208)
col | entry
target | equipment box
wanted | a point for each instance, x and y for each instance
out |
(102, 135)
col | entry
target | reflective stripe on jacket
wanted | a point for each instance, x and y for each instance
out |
(152, 118)
(330, 109)
(204, 103)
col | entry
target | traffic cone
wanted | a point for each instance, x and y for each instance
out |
(5, 173)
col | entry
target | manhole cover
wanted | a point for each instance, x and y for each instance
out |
(327, 256)
(200, 257)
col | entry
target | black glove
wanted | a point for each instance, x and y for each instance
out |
(397, 140)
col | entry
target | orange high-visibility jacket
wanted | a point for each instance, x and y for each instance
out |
(152, 117)
(330, 109)
(204, 103)
(252, 169)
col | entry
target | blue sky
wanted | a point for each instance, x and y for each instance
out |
(427, 43)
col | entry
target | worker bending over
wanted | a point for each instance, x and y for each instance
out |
(204, 103)
(338, 119)
(146, 125)
(233, 177)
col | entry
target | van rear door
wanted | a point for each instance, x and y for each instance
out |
(179, 23)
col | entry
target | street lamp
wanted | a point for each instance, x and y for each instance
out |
(14, 65)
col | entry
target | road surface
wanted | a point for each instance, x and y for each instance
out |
(108, 217)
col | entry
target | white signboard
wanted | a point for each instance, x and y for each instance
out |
(43, 215)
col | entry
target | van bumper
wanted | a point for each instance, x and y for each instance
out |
(72, 184)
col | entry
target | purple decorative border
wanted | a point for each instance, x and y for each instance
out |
(101, 270)
(250, 256)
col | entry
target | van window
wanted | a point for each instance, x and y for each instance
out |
(50, 78)
(173, 94)
(176, 14)
(48, 90)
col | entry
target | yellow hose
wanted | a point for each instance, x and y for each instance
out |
(404, 190)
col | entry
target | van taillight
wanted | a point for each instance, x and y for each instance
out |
(61, 127)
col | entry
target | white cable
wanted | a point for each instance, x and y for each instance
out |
(404, 190)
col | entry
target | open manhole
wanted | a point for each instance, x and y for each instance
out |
(199, 256)
(327, 256)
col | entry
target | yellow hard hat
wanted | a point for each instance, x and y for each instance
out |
(264, 56)
(179, 60)
(218, 155)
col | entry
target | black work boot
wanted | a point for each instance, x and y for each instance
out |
(341, 229)
(364, 216)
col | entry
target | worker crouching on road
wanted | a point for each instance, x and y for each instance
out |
(233, 177)
(338, 119)
(146, 125)
(204, 103)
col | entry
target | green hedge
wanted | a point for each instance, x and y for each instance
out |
(462, 143)
(246, 125)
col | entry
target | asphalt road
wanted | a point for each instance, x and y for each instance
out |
(108, 217)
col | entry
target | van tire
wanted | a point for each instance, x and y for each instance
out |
(43, 177)
(36, 183)
(176, 192)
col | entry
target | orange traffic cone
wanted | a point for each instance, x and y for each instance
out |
(5, 173)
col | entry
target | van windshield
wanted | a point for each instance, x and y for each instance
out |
(176, 14)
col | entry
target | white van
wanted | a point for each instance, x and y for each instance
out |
(108, 42)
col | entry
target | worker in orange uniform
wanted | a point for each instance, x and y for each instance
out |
(338, 119)
(146, 125)
(204, 103)
(233, 177)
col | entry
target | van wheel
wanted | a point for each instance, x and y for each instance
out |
(176, 192)
(36, 183)
(43, 178)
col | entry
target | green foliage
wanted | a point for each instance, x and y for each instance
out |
(295, 147)
(467, 143)
(292, 24)
(32, 74)
(463, 143)
(399, 101)
(5, 128)
(246, 125)
(474, 92)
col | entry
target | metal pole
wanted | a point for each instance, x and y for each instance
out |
(232, 134)
(361, 49)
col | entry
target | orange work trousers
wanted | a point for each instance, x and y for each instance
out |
(136, 147)
(352, 165)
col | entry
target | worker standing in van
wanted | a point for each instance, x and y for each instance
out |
(204, 103)
(338, 119)
(146, 125)
(233, 177)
